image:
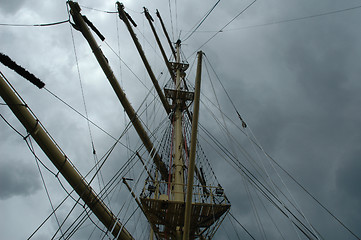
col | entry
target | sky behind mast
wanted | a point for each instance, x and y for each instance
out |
(296, 83)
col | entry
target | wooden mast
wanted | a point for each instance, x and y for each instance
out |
(103, 62)
(191, 165)
(176, 218)
(166, 34)
(169, 212)
(178, 172)
(123, 16)
(167, 63)
(61, 162)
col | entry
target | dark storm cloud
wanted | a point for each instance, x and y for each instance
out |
(296, 84)
(347, 182)
(17, 179)
(347, 176)
(10, 7)
(324, 111)
(299, 93)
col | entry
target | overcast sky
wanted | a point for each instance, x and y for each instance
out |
(296, 84)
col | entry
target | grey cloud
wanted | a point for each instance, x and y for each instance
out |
(348, 176)
(17, 179)
(297, 85)
(10, 7)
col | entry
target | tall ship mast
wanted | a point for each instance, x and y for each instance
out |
(175, 207)
(176, 189)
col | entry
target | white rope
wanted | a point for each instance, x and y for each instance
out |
(283, 183)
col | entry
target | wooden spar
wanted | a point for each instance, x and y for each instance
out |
(80, 186)
(166, 34)
(145, 166)
(138, 202)
(191, 165)
(178, 173)
(150, 19)
(156, 196)
(123, 16)
(103, 62)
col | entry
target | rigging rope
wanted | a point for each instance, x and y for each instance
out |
(243, 150)
(171, 19)
(291, 177)
(284, 20)
(240, 224)
(230, 143)
(45, 187)
(170, 158)
(33, 25)
(257, 145)
(149, 43)
(234, 228)
(98, 10)
(37, 122)
(273, 185)
(242, 11)
(272, 198)
(244, 126)
(298, 208)
(103, 194)
(295, 19)
(314, 198)
(48, 217)
(273, 160)
(106, 156)
(119, 176)
(12, 127)
(176, 17)
(80, 114)
(255, 181)
(269, 215)
(129, 196)
(138, 78)
(95, 157)
(255, 212)
(56, 175)
(195, 27)
(69, 194)
(67, 216)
